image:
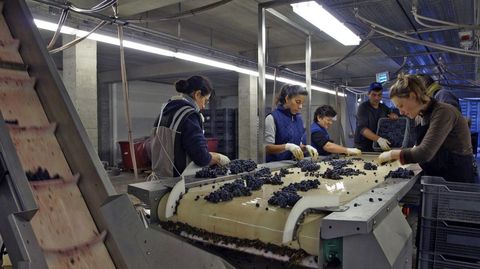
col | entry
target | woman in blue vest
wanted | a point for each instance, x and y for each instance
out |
(324, 117)
(284, 127)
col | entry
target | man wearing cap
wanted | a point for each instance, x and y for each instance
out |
(368, 114)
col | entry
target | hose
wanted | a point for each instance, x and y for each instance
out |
(350, 53)
(95, 9)
(77, 40)
(123, 70)
(61, 22)
(399, 36)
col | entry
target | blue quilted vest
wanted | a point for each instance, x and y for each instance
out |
(289, 129)
(315, 128)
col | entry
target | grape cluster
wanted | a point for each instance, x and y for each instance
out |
(308, 165)
(331, 174)
(288, 197)
(240, 166)
(393, 131)
(284, 199)
(337, 173)
(331, 157)
(304, 185)
(339, 164)
(211, 172)
(264, 172)
(284, 172)
(228, 191)
(274, 180)
(253, 183)
(40, 174)
(11, 122)
(400, 173)
(313, 174)
(369, 166)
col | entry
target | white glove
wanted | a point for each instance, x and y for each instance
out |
(223, 160)
(295, 150)
(353, 151)
(384, 157)
(383, 143)
(312, 151)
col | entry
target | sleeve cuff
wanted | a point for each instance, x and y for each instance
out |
(402, 158)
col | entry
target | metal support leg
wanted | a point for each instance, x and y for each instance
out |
(261, 84)
(308, 82)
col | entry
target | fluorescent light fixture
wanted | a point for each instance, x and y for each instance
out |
(322, 19)
(169, 53)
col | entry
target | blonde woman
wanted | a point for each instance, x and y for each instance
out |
(443, 146)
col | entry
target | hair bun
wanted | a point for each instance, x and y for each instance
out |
(181, 86)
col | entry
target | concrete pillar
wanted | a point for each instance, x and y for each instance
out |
(247, 117)
(80, 79)
(106, 144)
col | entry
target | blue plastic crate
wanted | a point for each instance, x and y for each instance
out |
(397, 132)
(460, 241)
(432, 261)
(451, 201)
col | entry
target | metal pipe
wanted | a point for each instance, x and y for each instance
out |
(275, 3)
(126, 98)
(287, 20)
(308, 82)
(261, 85)
(176, 43)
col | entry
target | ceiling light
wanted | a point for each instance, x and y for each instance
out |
(318, 16)
(170, 53)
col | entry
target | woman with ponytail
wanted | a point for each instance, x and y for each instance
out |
(443, 146)
(178, 131)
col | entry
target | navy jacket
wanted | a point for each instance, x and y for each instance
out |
(289, 129)
(192, 141)
(319, 136)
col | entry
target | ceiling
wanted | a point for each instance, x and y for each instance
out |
(230, 30)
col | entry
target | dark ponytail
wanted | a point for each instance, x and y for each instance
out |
(289, 91)
(194, 83)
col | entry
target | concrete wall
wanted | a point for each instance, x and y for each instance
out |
(146, 99)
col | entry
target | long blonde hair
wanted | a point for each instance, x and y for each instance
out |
(405, 84)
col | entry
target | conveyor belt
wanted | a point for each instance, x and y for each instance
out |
(63, 225)
(252, 218)
(72, 217)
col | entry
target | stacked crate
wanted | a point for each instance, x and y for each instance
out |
(222, 124)
(450, 225)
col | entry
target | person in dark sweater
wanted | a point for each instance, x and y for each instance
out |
(178, 131)
(368, 114)
(434, 90)
(443, 146)
(284, 127)
(324, 117)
